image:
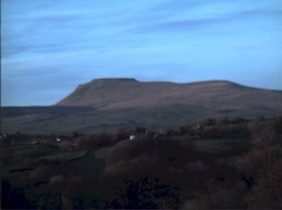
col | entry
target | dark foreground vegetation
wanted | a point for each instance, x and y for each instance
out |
(212, 164)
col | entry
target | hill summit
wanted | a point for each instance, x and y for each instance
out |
(124, 93)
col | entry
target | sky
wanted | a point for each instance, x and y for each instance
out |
(51, 46)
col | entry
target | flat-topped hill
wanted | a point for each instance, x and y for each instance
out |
(109, 104)
(110, 94)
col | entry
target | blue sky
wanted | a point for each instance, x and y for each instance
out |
(49, 47)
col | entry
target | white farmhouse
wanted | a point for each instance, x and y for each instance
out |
(132, 137)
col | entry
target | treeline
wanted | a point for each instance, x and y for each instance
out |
(206, 128)
(260, 169)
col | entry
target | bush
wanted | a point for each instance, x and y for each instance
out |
(146, 193)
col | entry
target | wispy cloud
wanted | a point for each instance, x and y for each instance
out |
(191, 24)
(172, 5)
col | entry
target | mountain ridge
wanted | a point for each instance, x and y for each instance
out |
(110, 104)
(120, 93)
(129, 79)
(104, 81)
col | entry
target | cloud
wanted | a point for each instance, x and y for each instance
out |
(172, 26)
(176, 5)
(192, 24)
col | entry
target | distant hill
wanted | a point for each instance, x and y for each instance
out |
(112, 94)
(106, 104)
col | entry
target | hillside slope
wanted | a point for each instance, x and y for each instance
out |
(112, 94)
(109, 104)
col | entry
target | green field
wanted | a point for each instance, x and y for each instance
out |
(65, 156)
(103, 152)
(213, 145)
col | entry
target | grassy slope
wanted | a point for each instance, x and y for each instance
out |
(52, 120)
